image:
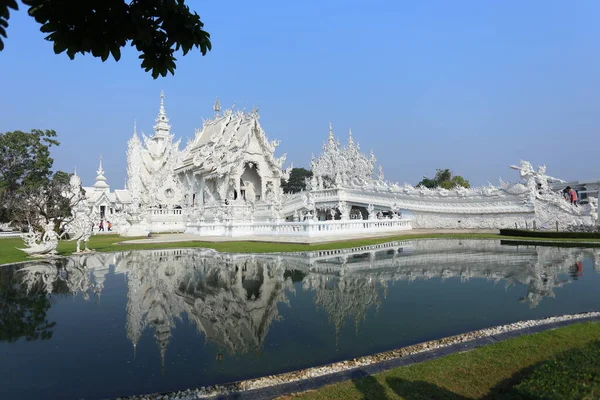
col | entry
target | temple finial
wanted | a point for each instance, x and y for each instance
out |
(217, 106)
(350, 138)
(134, 127)
(162, 114)
(100, 178)
(162, 127)
(331, 137)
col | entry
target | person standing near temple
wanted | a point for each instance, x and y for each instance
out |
(109, 225)
(573, 194)
(101, 226)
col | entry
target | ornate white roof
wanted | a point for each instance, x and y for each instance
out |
(223, 143)
(123, 195)
(343, 165)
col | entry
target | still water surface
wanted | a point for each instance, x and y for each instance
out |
(107, 325)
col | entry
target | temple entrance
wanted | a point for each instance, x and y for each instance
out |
(102, 212)
(252, 188)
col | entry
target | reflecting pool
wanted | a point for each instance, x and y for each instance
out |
(106, 325)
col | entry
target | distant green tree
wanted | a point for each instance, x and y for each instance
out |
(157, 28)
(445, 179)
(297, 181)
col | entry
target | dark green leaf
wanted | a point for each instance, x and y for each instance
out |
(116, 53)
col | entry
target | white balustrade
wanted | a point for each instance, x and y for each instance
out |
(304, 228)
(10, 234)
(166, 219)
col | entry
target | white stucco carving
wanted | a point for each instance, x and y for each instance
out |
(80, 228)
(38, 244)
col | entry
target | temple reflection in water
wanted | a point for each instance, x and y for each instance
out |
(233, 299)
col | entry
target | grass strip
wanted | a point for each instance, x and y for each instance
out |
(109, 243)
(561, 363)
(549, 234)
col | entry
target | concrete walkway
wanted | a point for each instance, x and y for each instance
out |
(181, 237)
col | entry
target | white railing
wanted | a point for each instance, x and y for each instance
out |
(166, 220)
(165, 211)
(304, 228)
(9, 234)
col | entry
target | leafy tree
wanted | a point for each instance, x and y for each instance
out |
(51, 201)
(28, 187)
(443, 178)
(25, 158)
(297, 181)
(157, 28)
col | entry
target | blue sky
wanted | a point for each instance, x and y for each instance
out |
(469, 85)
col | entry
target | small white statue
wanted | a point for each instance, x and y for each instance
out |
(270, 192)
(250, 193)
(80, 228)
(332, 212)
(371, 211)
(380, 176)
(344, 210)
(47, 243)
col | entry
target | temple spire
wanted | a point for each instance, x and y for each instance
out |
(162, 127)
(100, 172)
(331, 137)
(162, 103)
(217, 106)
(350, 138)
(100, 178)
(74, 180)
(134, 127)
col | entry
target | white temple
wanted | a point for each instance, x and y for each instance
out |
(105, 204)
(227, 182)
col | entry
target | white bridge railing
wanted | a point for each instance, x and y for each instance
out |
(304, 228)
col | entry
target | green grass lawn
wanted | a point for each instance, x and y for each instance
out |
(104, 243)
(557, 364)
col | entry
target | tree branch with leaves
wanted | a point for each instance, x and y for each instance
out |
(31, 194)
(156, 28)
